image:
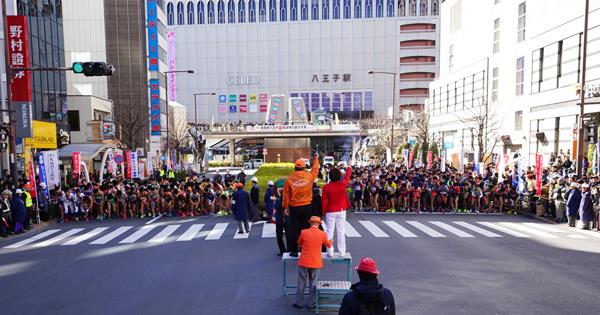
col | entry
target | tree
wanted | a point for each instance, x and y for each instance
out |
(180, 137)
(133, 126)
(484, 128)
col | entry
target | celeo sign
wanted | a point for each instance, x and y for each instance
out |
(242, 80)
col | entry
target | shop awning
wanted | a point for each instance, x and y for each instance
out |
(88, 150)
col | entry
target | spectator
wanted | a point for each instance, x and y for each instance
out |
(281, 220)
(585, 207)
(19, 213)
(254, 197)
(5, 216)
(368, 296)
(334, 205)
(573, 203)
(269, 200)
(240, 206)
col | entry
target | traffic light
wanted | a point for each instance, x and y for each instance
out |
(592, 133)
(93, 69)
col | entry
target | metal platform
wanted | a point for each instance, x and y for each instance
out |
(290, 289)
(331, 290)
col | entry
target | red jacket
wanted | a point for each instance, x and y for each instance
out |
(335, 198)
(311, 241)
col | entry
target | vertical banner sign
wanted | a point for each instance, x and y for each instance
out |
(222, 103)
(598, 158)
(155, 106)
(411, 157)
(135, 173)
(43, 177)
(172, 75)
(151, 22)
(276, 102)
(76, 162)
(111, 162)
(51, 168)
(298, 105)
(443, 161)
(264, 99)
(429, 159)
(32, 175)
(405, 153)
(18, 50)
(128, 164)
(538, 173)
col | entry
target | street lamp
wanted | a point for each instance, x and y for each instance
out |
(393, 104)
(167, 94)
(196, 105)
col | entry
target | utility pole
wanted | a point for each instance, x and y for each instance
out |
(580, 145)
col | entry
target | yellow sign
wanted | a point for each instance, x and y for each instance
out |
(44, 136)
(252, 98)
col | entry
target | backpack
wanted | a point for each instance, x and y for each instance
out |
(372, 308)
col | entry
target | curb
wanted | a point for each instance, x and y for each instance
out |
(535, 217)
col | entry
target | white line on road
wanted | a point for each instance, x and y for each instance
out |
(162, 236)
(451, 229)
(152, 221)
(138, 234)
(425, 229)
(404, 232)
(374, 229)
(110, 236)
(503, 229)
(32, 239)
(86, 236)
(57, 238)
(529, 230)
(553, 230)
(586, 232)
(238, 236)
(476, 229)
(351, 231)
(268, 230)
(216, 232)
(190, 233)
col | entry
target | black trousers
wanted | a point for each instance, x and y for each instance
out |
(299, 221)
(280, 227)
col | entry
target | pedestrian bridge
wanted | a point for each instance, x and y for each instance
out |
(281, 131)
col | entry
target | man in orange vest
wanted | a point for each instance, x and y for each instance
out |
(310, 261)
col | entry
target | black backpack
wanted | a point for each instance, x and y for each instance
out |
(365, 308)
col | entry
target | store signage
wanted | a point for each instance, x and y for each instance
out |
(328, 78)
(44, 136)
(155, 107)
(252, 98)
(18, 50)
(232, 108)
(592, 89)
(242, 80)
(128, 164)
(152, 21)
(232, 98)
(76, 162)
(243, 108)
(108, 130)
(264, 98)
(64, 137)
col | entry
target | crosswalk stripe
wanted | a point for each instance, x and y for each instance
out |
(162, 236)
(374, 229)
(503, 229)
(238, 236)
(138, 234)
(404, 232)
(32, 239)
(451, 229)
(425, 229)
(112, 235)
(217, 231)
(190, 233)
(351, 231)
(529, 230)
(85, 236)
(57, 238)
(553, 230)
(268, 230)
(476, 229)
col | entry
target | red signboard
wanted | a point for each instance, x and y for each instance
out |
(128, 164)
(76, 162)
(243, 108)
(31, 171)
(410, 158)
(242, 98)
(18, 50)
(264, 98)
(539, 172)
(263, 108)
(429, 159)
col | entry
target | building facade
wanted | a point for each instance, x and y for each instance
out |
(247, 51)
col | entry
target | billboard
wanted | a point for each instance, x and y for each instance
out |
(155, 107)
(152, 24)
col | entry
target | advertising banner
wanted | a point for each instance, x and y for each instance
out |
(252, 98)
(171, 57)
(411, 157)
(44, 136)
(222, 103)
(275, 108)
(243, 98)
(299, 108)
(232, 108)
(155, 107)
(443, 161)
(51, 168)
(152, 24)
(243, 108)
(128, 164)
(539, 172)
(76, 162)
(108, 130)
(253, 108)
(264, 99)
(232, 98)
(43, 177)
(31, 174)
(429, 159)
(18, 50)
(405, 153)
(135, 173)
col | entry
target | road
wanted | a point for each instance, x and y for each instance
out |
(434, 264)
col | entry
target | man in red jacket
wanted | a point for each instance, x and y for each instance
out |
(334, 204)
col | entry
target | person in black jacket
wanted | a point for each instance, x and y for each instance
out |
(254, 198)
(368, 296)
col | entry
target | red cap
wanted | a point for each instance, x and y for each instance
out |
(239, 185)
(368, 265)
(300, 163)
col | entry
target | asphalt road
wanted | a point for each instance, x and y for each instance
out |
(176, 266)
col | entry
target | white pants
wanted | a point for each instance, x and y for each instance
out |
(336, 221)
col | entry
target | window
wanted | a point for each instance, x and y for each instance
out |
(559, 63)
(450, 58)
(347, 14)
(304, 10)
(283, 10)
(325, 9)
(221, 11)
(315, 10)
(522, 22)
(423, 10)
(378, 8)
(293, 10)
(495, 73)
(519, 120)
(390, 8)
(180, 16)
(401, 8)
(210, 7)
(241, 11)
(520, 75)
(434, 7)
(540, 69)
(201, 12)
(357, 9)
(273, 10)
(190, 13)
(412, 7)
(336, 9)
(496, 48)
(251, 11)
(230, 11)
(170, 14)
(368, 9)
(73, 119)
(496, 1)
(262, 11)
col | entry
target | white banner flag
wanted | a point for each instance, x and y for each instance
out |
(51, 167)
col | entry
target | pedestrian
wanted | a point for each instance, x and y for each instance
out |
(282, 221)
(43, 201)
(368, 296)
(297, 198)
(573, 203)
(242, 177)
(334, 205)
(240, 206)
(5, 215)
(310, 261)
(254, 197)
(585, 208)
(19, 212)
(269, 200)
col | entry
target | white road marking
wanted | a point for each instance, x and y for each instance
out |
(524, 228)
(553, 230)
(238, 236)
(586, 232)
(85, 236)
(425, 229)
(152, 221)
(57, 238)
(217, 231)
(374, 229)
(503, 229)
(190, 233)
(476, 229)
(404, 232)
(138, 234)
(162, 236)
(268, 230)
(451, 229)
(32, 239)
(351, 231)
(112, 235)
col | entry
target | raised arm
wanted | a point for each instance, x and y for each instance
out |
(314, 171)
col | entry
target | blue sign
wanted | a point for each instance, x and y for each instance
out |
(232, 98)
(119, 159)
(448, 145)
(222, 98)
(151, 22)
(155, 107)
(232, 108)
(42, 167)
